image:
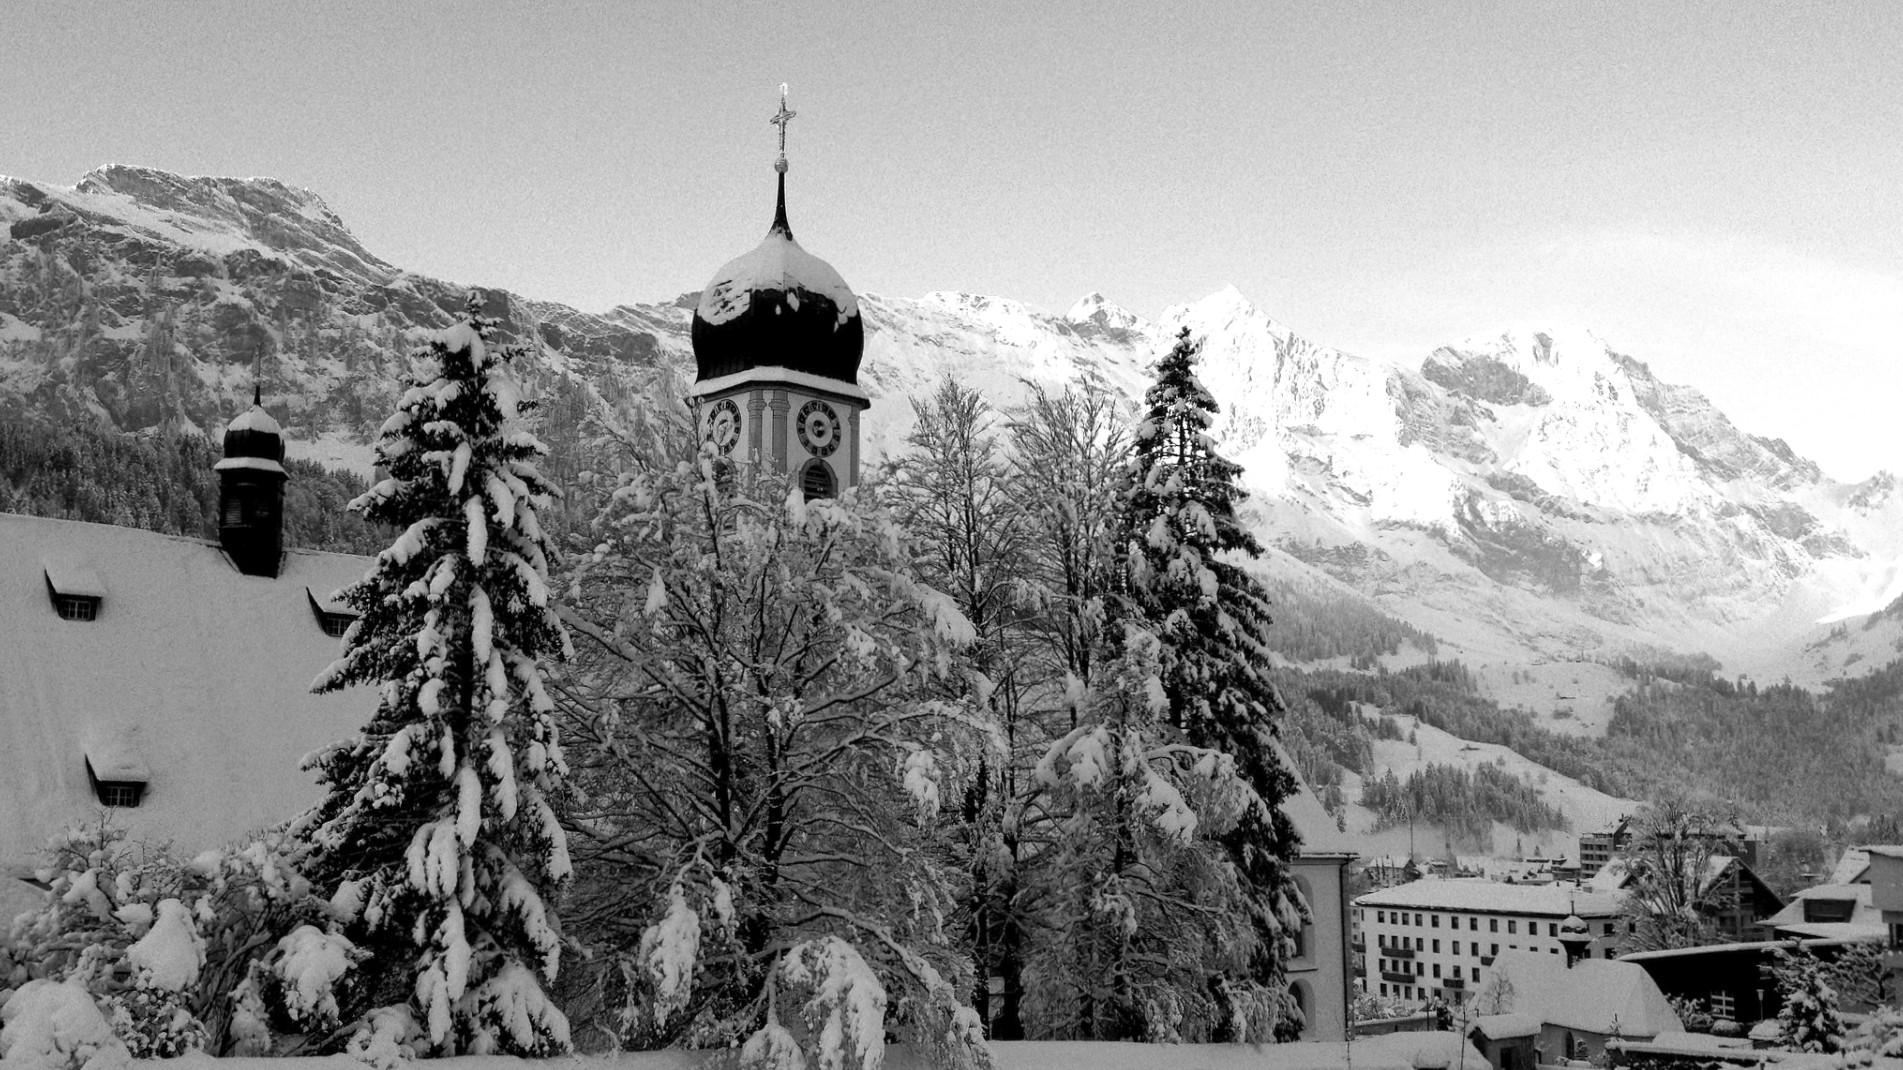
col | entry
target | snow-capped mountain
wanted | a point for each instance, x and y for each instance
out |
(1524, 493)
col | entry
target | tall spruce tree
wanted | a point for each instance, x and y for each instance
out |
(435, 835)
(1209, 616)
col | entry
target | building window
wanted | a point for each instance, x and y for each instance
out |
(1495, 952)
(332, 616)
(1417, 919)
(816, 480)
(1384, 988)
(1454, 946)
(1457, 971)
(1381, 939)
(118, 794)
(1474, 950)
(1493, 925)
(1434, 919)
(1473, 924)
(1608, 928)
(76, 607)
(1381, 916)
(1723, 1005)
(1512, 926)
(1437, 971)
(1552, 928)
(1437, 947)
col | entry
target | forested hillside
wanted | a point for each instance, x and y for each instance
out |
(1782, 754)
(162, 483)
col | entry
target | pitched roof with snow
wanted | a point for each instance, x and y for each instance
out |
(1853, 866)
(1595, 995)
(1502, 1026)
(1862, 920)
(193, 679)
(1304, 808)
(1497, 897)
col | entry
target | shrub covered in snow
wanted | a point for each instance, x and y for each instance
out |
(768, 715)
(436, 837)
(168, 949)
(54, 1025)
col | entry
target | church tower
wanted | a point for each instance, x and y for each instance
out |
(251, 491)
(777, 342)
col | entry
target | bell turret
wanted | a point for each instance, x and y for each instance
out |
(777, 341)
(251, 491)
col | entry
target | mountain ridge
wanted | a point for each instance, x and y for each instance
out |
(1527, 490)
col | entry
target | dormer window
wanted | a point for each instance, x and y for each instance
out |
(115, 770)
(74, 589)
(332, 614)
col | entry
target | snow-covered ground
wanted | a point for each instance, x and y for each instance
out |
(1570, 697)
(1585, 809)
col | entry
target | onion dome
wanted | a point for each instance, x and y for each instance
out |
(253, 440)
(778, 306)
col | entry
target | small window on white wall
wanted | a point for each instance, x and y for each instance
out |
(1306, 932)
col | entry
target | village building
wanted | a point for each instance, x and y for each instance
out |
(1731, 896)
(1578, 1006)
(1732, 981)
(1829, 912)
(162, 683)
(1321, 973)
(1432, 938)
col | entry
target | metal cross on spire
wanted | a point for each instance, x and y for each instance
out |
(780, 119)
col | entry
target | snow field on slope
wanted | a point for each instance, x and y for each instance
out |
(1573, 698)
(1584, 809)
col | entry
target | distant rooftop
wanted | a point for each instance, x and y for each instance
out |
(1496, 897)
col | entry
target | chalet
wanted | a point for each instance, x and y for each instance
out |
(1578, 1006)
(1731, 981)
(163, 683)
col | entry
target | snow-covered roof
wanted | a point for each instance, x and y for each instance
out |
(256, 464)
(71, 577)
(779, 266)
(327, 601)
(1389, 1051)
(1843, 931)
(115, 754)
(1496, 897)
(1320, 835)
(196, 676)
(1502, 1026)
(1764, 946)
(1863, 913)
(255, 419)
(1852, 867)
(1594, 995)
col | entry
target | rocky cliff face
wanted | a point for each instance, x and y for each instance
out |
(1528, 491)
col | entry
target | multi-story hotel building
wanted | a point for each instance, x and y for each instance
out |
(1431, 938)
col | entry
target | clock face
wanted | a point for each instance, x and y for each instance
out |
(723, 425)
(819, 428)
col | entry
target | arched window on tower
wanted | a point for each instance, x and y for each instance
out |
(816, 480)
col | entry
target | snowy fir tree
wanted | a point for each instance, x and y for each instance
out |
(1181, 535)
(1809, 1020)
(768, 716)
(1143, 930)
(435, 840)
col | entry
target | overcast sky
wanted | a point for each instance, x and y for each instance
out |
(1716, 189)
